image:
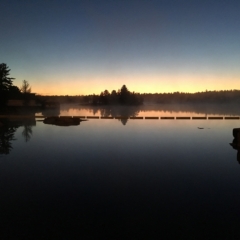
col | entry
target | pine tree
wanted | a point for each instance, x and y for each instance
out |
(5, 81)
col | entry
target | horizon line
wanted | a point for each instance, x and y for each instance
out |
(39, 94)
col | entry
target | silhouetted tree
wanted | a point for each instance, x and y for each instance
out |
(104, 97)
(25, 88)
(114, 97)
(5, 83)
(124, 95)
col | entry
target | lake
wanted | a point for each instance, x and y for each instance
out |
(120, 178)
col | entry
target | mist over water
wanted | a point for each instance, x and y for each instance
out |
(158, 110)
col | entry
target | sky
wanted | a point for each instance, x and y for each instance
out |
(74, 47)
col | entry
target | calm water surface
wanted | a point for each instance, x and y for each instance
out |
(147, 179)
(148, 110)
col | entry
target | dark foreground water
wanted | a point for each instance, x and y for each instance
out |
(148, 179)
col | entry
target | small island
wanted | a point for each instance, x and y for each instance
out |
(120, 97)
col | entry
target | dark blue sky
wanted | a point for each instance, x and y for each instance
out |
(80, 47)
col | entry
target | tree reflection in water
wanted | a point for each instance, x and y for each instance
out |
(27, 132)
(8, 129)
(122, 113)
(6, 137)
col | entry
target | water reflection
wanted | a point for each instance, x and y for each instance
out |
(27, 132)
(126, 179)
(8, 128)
(194, 109)
(123, 121)
(121, 113)
(151, 110)
(50, 112)
(6, 137)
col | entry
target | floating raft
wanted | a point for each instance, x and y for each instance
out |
(63, 121)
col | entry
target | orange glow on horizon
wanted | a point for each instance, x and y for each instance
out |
(138, 84)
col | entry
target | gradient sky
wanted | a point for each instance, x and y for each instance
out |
(84, 47)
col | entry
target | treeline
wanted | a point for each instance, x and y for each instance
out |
(121, 97)
(125, 97)
(226, 96)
